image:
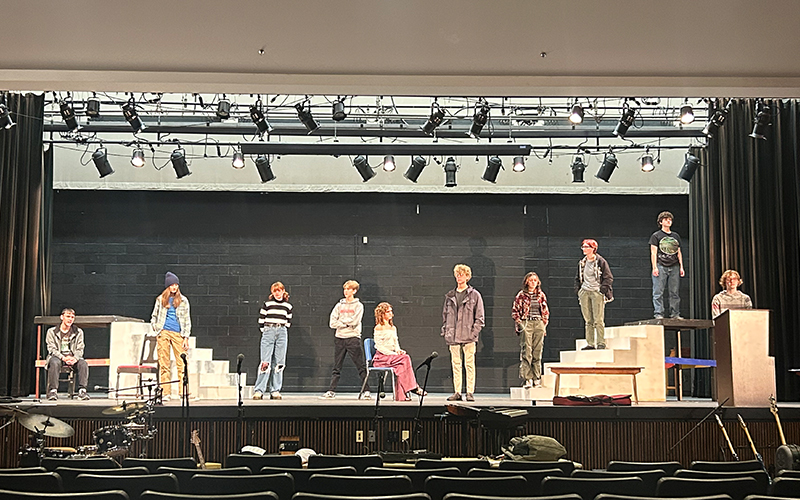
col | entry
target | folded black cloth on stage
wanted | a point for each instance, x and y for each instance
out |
(596, 400)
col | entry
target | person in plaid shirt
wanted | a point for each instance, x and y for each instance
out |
(531, 315)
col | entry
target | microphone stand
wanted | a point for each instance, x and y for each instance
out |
(185, 407)
(712, 412)
(240, 410)
(417, 421)
(377, 417)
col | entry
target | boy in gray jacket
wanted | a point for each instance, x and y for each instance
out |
(346, 319)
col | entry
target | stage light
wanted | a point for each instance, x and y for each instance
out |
(647, 162)
(576, 114)
(258, 118)
(388, 163)
(364, 170)
(519, 164)
(578, 167)
(238, 160)
(625, 121)
(178, 159)
(479, 119)
(306, 118)
(417, 164)
(5, 117)
(137, 158)
(68, 115)
(687, 114)
(100, 159)
(338, 114)
(264, 169)
(450, 169)
(690, 165)
(607, 168)
(436, 119)
(93, 106)
(762, 120)
(224, 108)
(129, 112)
(493, 167)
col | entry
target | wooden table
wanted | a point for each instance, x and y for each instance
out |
(597, 370)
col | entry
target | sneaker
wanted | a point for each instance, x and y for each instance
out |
(258, 395)
(589, 347)
(275, 395)
(659, 316)
(455, 397)
(600, 346)
(366, 395)
(328, 395)
(82, 395)
(52, 395)
(470, 397)
(528, 384)
(538, 383)
(677, 317)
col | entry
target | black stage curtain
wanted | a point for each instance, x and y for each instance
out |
(24, 187)
(745, 206)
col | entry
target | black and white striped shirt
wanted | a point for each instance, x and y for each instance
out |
(275, 312)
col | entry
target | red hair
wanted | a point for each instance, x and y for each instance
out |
(591, 243)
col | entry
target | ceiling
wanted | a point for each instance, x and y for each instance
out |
(741, 48)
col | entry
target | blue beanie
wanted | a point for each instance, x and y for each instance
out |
(170, 279)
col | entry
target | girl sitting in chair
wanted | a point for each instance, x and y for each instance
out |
(390, 355)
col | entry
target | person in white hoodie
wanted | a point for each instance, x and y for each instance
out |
(346, 320)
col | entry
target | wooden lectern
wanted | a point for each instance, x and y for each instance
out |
(745, 370)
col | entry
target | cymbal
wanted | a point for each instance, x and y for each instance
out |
(123, 409)
(49, 426)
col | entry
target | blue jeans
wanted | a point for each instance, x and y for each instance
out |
(668, 278)
(274, 341)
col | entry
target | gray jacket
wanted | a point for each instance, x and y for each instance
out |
(461, 325)
(53, 341)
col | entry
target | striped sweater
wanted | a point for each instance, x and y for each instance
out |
(275, 312)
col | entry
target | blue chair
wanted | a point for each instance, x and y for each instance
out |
(369, 352)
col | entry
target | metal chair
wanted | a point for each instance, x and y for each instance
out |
(369, 352)
(148, 363)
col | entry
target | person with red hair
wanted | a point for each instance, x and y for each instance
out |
(593, 286)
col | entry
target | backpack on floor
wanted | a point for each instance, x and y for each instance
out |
(533, 447)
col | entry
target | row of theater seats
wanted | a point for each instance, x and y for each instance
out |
(245, 477)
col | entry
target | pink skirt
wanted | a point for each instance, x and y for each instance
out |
(405, 381)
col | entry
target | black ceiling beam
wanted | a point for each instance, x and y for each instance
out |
(382, 149)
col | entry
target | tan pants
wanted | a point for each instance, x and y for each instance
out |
(167, 339)
(469, 361)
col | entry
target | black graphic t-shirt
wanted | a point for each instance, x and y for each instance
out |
(668, 245)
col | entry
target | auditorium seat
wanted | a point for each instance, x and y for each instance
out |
(760, 476)
(256, 462)
(185, 475)
(768, 497)
(153, 464)
(786, 487)
(649, 477)
(417, 476)
(35, 482)
(588, 488)
(23, 470)
(513, 486)
(302, 495)
(465, 496)
(788, 473)
(359, 486)
(564, 465)
(157, 495)
(533, 477)
(95, 495)
(619, 466)
(736, 488)
(101, 462)
(69, 474)
(360, 462)
(609, 496)
(464, 465)
(132, 485)
(204, 484)
(745, 465)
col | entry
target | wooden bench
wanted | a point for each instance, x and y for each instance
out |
(597, 370)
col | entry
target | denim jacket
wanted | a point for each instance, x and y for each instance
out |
(461, 325)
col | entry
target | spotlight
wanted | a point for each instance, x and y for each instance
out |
(137, 158)
(450, 168)
(716, 121)
(519, 164)
(687, 114)
(576, 114)
(238, 160)
(129, 112)
(388, 163)
(479, 120)
(258, 118)
(647, 162)
(607, 168)
(338, 111)
(5, 118)
(93, 107)
(306, 117)
(100, 159)
(364, 170)
(224, 109)
(762, 120)
(436, 119)
(690, 165)
(417, 164)
(264, 169)
(68, 114)
(493, 167)
(625, 121)
(578, 168)
(178, 159)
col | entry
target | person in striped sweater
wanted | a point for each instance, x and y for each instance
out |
(274, 321)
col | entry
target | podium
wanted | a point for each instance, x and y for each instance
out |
(745, 370)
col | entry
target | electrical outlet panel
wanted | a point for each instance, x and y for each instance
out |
(406, 435)
(359, 436)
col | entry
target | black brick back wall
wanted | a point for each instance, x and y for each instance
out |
(111, 250)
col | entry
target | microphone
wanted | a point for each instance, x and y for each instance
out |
(183, 357)
(102, 388)
(239, 360)
(428, 360)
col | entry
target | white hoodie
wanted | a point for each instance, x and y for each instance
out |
(346, 318)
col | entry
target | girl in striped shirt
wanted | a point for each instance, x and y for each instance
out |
(274, 321)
